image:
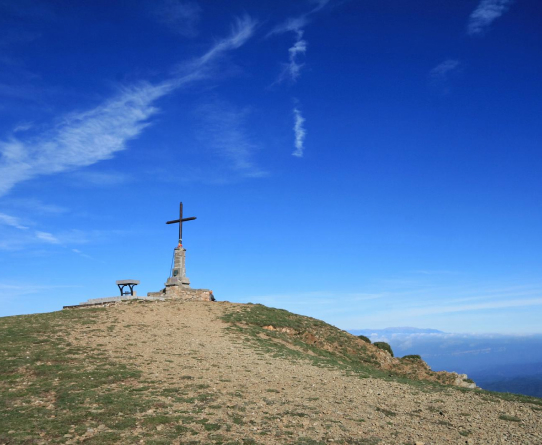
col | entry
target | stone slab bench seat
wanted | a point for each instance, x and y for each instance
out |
(130, 283)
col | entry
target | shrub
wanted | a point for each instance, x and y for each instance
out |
(384, 346)
(413, 357)
(365, 339)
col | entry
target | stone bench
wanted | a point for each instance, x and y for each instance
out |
(130, 283)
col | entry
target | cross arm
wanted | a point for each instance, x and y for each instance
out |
(179, 220)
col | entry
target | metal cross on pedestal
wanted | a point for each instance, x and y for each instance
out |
(180, 221)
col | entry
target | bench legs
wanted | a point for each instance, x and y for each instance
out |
(122, 286)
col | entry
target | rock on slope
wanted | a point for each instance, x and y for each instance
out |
(196, 372)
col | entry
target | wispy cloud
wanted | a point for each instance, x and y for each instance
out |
(441, 74)
(292, 70)
(66, 239)
(181, 17)
(298, 22)
(23, 126)
(84, 138)
(33, 206)
(84, 255)
(224, 132)
(300, 133)
(47, 237)
(290, 24)
(11, 221)
(485, 14)
(442, 70)
(446, 309)
(449, 308)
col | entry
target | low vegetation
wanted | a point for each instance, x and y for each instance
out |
(272, 330)
(384, 346)
(50, 389)
(364, 338)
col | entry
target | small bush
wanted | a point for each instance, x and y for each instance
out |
(365, 339)
(384, 346)
(413, 357)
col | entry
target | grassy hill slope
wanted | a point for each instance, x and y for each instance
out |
(174, 372)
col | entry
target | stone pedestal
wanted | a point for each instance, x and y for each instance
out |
(178, 284)
(178, 275)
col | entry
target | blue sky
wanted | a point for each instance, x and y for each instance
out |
(370, 163)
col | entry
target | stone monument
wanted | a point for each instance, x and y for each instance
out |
(178, 284)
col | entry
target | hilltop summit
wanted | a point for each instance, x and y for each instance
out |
(200, 372)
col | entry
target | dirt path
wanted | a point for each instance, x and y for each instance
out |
(221, 387)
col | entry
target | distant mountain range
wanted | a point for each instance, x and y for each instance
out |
(505, 363)
(401, 330)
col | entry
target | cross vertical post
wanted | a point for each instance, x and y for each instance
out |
(180, 221)
(181, 224)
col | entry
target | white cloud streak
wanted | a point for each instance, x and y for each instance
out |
(290, 24)
(292, 70)
(299, 22)
(85, 138)
(24, 126)
(298, 49)
(441, 74)
(300, 133)
(486, 12)
(443, 69)
(47, 237)
(84, 255)
(11, 221)
(29, 239)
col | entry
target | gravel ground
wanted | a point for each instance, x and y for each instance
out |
(252, 397)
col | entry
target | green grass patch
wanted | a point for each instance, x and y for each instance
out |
(509, 418)
(47, 384)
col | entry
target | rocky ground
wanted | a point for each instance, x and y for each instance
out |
(213, 386)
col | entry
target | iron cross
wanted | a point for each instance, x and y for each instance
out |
(180, 221)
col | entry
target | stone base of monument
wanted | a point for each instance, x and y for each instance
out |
(183, 293)
(178, 284)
